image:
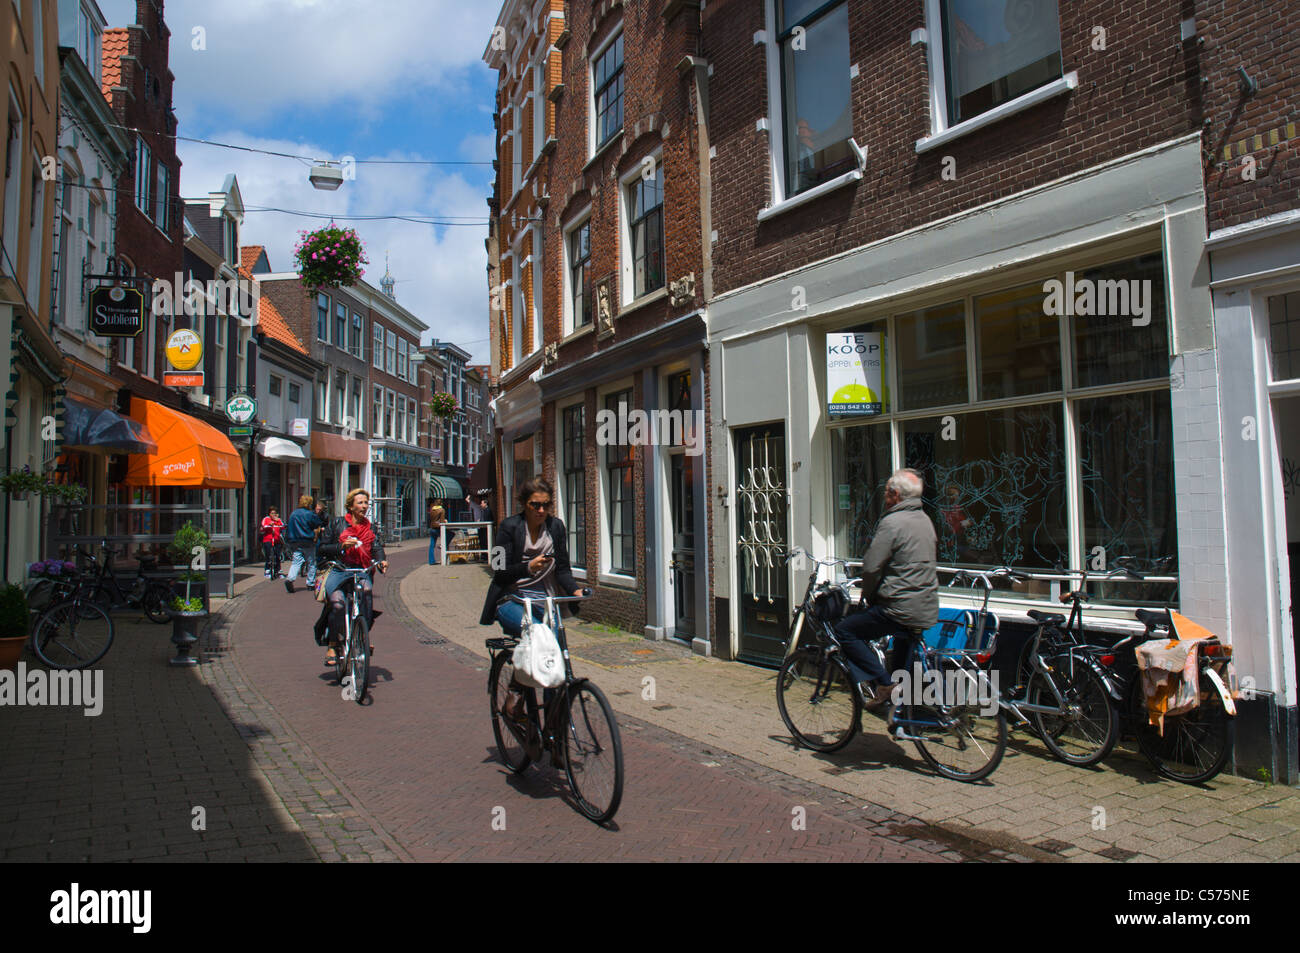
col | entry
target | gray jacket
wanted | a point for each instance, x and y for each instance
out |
(898, 571)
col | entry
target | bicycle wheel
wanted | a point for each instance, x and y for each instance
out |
(72, 635)
(359, 659)
(1195, 745)
(593, 753)
(1087, 732)
(154, 602)
(963, 743)
(818, 700)
(510, 735)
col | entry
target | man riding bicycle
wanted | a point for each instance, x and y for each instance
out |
(900, 582)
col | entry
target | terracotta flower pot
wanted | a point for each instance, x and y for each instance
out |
(10, 649)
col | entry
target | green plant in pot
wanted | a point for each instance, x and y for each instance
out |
(184, 548)
(15, 618)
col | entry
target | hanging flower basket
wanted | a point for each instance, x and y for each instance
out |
(65, 492)
(443, 405)
(18, 483)
(330, 257)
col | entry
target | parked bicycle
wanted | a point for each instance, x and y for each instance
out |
(74, 631)
(822, 708)
(139, 592)
(1062, 687)
(352, 662)
(575, 724)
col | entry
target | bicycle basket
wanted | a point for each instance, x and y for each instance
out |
(831, 605)
(955, 634)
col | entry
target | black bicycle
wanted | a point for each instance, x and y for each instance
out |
(575, 724)
(352, 661)
(139, 592)
(73, 631)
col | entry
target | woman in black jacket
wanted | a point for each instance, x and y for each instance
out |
(535, 547)
(354, 541)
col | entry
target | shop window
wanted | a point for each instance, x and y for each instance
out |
(619, 495)
(575, 483)
(932, 346)
(817, 119)
(994, 51)
(1284, 335)
(1019, 346)
(1127, 476)
(861, 462)
(994, 485)
(1126, 338)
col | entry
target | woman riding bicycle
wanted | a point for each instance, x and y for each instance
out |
(353, 541)
(533, 556)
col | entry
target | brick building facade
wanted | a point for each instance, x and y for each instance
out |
(932, 191)
(614, 215)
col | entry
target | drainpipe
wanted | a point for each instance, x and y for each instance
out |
(698, 69)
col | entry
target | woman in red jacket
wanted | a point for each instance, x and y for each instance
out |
(272, 526)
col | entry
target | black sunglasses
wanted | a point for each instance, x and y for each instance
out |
(539, 506)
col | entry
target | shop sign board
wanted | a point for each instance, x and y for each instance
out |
(184, 352)
(299, 427)
(239, 431)
(241, 409)
(116, 311)
(855, 373)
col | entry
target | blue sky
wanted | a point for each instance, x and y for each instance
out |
(390, 79)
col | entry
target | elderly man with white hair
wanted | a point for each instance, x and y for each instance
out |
(900, 582)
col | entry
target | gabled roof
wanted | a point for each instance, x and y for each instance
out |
(116, 45)
(253, 260)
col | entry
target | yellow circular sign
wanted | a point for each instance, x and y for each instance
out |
(184, 350)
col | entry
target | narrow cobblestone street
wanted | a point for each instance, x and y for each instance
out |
(284, 769)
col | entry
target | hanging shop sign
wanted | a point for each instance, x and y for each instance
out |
(855, 374)
(241, 409)
(184, 353)
(300, 427)
(239, 431)
(116, 312)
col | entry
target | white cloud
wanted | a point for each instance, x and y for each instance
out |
(441, 272)
(270, 55)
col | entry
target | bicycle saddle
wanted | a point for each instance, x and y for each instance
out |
(1152, 619)
(1046, 618)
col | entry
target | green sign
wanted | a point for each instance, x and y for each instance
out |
(241, 409)
(239, 431)
(844, 496)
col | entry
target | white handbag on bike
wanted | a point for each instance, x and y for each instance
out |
(537, 658)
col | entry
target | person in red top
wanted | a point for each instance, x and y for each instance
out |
(353, 541)
(272, 527)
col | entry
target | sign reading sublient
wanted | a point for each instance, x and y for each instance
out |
(854, 373)
(116, 312)
(241, 409)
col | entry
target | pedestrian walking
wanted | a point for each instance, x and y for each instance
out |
(300, 535)
(272, 526)
(437, 516)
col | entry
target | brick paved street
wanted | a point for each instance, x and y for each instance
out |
(287, 770)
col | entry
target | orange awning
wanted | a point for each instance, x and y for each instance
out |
(190, 453)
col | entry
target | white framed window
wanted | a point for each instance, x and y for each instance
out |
(377, 346)
(517, 147)
(606, 104)
(357, 423)
(576, 251)
(323, 317)
(160, 196)
(377, 419)
(571, 487)
(36, 232)
(616, 498)
(323, 399)
(358, 333)
(989, 60)
(641, 251)
(539, 109)
(13, 176)
(390, 351)
(402, 345)
(390, 415)
(340, 325)
(38, 41)
(340, 395)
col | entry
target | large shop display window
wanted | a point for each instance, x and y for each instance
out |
(1044, 436)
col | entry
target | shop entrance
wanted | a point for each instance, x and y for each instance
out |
(1286, 425)
(762, 532)
(682, 567)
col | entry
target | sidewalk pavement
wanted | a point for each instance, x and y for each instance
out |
(1032, 805)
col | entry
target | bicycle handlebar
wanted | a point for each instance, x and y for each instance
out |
(586, 594)
(342, 568)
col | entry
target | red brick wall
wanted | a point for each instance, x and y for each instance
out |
(1143, 89)
(1263, 36)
